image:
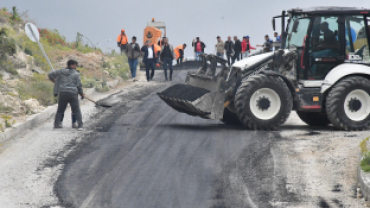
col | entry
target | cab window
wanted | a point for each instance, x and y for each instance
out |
(357, 46)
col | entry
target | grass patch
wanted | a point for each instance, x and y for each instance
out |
(365, 162)
(39, 88)
(5, 109)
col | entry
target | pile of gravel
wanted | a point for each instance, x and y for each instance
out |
(184, 92)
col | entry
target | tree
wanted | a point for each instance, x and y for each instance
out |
(15, 15)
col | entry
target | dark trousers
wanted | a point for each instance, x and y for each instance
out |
(236, 56)
(74, 119)
(63, 100)
(179, 60)
(167, 60)
(123, 47)
(229, 58)
(149, 64)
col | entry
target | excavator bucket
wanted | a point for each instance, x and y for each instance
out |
(203, 93)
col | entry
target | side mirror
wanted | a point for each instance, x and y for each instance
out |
(295, 25)
(273, 24)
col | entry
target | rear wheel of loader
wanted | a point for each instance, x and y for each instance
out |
(263, 102)
(348, 104)
(314, 118)
(230, 118)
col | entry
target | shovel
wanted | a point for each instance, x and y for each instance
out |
(98, 103)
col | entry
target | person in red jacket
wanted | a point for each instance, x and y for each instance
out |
(246, 47)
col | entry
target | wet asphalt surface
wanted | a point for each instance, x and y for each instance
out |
(141, 153)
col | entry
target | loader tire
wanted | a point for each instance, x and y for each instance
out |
(348, 104)
(263, 102)
(230, 118)
(314, 118)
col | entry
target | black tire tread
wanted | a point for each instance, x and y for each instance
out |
(241, 101)
(333, 103)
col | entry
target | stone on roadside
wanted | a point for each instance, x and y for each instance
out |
(33, 105)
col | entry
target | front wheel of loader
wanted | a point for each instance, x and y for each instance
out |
(348, 104)
(263, 102)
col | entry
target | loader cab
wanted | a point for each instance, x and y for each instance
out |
(326, 37)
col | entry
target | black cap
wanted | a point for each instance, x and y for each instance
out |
(266, 35)
(218, 37)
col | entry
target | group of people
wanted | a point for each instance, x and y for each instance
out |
(164, 53)
(153, 55)
(237, 50)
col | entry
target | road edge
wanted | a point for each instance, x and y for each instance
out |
(37, 119)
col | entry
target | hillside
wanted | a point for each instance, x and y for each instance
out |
(24, 86)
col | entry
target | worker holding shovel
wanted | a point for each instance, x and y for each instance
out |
(69, 87)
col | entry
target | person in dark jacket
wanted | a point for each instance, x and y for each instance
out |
(133, 52)
(56, 92)
(68, 88)
(198, 48)
(167, 55)
(150, 59)
(229, 49)
(237, 49)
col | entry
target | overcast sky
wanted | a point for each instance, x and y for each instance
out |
(185, 19)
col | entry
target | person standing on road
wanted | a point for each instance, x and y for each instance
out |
(167, 55)
(219, 47)
(246, 47)
(150, 58)
(198, 48)
(229, 49)
(133, 52)
(69, 87)
(122, 41)
(179, 53)
(237, 49)
(56, 92)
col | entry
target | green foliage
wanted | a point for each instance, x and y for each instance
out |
(28, 51)
(365, 162)
(88, 82)
(103, 87)
(53, 37)
(363, 146)
(4, 9)
(3, 32)
(105, 65)
(15, 15)
(8, 124)
(38, 88)
(5, 109)
(7, 47)
(121, 67)
(8, 66)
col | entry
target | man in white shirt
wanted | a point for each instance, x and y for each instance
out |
(150, 59)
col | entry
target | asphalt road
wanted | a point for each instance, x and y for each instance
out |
(144, 154)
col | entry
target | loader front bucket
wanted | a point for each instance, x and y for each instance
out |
(187, 65)
(202, 94)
